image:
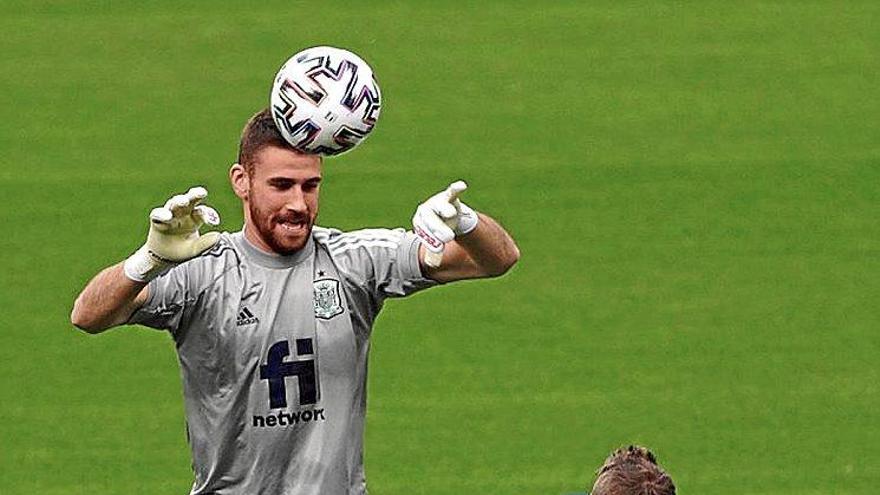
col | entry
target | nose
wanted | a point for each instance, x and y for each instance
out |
(296, 200)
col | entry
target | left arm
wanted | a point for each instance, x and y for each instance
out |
(487, 251)
(472, 245)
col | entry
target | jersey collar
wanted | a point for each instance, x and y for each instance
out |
(272, 260)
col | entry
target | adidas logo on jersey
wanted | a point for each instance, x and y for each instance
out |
(245, 317)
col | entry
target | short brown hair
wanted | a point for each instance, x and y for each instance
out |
(259, 132)
(632, 471)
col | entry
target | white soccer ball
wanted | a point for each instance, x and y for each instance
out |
(325, 100)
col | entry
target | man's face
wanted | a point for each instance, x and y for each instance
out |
(281, 199)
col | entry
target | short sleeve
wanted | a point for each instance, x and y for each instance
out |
(384, 261)
(182, 296)
(402, 275)
(166, 301)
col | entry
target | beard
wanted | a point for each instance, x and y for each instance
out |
(284, 233)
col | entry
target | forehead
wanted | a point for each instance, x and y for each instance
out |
(273, 161)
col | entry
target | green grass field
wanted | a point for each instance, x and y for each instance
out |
(694, 188)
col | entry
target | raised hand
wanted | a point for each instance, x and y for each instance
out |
(174, 235)
(441, 219)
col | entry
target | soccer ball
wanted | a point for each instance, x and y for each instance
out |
(325, 100)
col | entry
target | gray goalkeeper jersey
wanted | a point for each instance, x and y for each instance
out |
(273, 356)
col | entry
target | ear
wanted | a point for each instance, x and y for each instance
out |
(238, 176)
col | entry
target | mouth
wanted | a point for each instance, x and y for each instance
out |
(293, 226)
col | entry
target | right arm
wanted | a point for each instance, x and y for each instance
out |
(108, 300)
(117, 292)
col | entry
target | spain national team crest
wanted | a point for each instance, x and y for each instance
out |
(328, 302)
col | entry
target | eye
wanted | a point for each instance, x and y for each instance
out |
(280, 184)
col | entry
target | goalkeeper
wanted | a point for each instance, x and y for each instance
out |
(272, 324)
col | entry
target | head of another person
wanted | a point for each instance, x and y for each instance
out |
(632, 471)
(278, 187)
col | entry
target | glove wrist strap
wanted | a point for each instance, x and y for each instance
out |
(144, 265)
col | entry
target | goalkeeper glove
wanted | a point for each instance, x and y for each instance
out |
(441, 219)
(174, 236)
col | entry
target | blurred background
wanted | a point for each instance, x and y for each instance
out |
(693, 186)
